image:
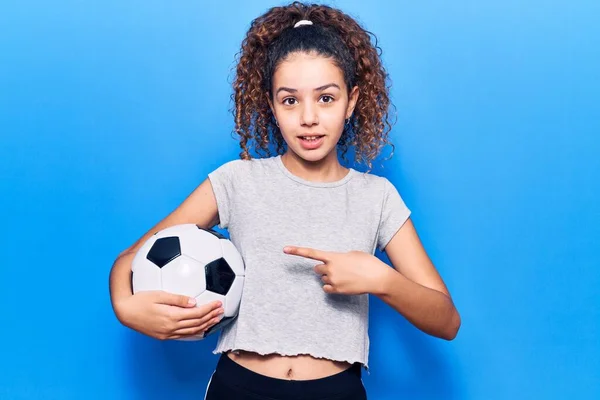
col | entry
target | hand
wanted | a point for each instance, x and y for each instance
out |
(354, 272)
(163, 315)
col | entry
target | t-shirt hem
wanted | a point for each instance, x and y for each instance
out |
(264, 352)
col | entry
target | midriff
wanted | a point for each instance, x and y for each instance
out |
(300, 367)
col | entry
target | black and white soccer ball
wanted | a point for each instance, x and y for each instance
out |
(188, 260)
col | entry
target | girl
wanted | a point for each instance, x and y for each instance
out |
(309, 82)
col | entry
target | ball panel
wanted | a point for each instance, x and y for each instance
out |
(164, 250)
(145, 277)
(140, 255)
(208, 297)
(234, 296)
(201, 246)
(233, 257)
(219, 276)
(183, 275)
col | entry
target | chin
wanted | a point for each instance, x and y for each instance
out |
(312, 155)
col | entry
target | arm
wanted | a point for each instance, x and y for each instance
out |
(120, 280)
(200, 208)
(415, 289)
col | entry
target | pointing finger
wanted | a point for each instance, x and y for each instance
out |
(306, 252)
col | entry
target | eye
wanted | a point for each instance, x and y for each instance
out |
(327, 99)
(286, 101)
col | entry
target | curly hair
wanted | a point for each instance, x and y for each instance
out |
(271, 37)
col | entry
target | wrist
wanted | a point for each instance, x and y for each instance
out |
(384, 279)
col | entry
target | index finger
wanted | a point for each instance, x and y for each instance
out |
(307, 252)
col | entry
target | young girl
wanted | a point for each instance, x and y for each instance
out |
(309, 82)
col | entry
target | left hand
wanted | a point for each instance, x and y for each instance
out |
(354, 272)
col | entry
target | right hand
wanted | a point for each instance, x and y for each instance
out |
(164, 315)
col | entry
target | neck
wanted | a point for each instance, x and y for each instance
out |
(328, 169)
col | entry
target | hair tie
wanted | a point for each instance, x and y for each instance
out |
(303, 22)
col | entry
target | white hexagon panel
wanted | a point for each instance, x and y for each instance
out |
(183, 275)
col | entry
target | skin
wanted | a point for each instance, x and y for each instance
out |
(309, 96)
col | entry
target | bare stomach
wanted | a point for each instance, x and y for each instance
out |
(301, 367)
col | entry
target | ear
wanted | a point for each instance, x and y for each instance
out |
(352, 99)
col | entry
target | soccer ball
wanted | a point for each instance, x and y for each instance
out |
(189, 260)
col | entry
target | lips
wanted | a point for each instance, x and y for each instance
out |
(311, 142)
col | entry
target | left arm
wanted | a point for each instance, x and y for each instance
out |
(414, 288)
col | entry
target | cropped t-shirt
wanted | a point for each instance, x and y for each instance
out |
(284, 309)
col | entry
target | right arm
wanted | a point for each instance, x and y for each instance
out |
(155, 313)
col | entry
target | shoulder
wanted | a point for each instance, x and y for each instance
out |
(234, 164)
(372, 182)
(239, 163)
(377, 188)
(238, 168)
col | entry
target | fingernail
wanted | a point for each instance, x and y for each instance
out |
(218, 304)
(286, 249)
(191, 301)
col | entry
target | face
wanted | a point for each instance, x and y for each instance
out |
(311, 103)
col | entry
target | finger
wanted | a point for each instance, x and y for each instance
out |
(194, 330)
(325, 279)
(172, 299)
(321, 269)
(192, 322)
(185, 333)
(182, 314)
(307, 252)
(328, 289)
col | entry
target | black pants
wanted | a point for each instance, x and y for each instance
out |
(231, 381)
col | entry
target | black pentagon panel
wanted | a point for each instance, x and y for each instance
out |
(219, 276)
(217, 234)
(164, 250)
(223, 322)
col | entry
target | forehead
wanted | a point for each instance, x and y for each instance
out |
(307, 71)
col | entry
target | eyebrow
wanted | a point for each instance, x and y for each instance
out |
(291, 90)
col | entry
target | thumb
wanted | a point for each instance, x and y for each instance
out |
(177, 300)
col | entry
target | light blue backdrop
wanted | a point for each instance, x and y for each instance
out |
(111, 112)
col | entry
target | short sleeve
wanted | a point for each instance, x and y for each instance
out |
(222, 181)
(394, 214)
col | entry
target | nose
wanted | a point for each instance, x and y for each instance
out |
(309, 115)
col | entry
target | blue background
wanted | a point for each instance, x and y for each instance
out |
(111, 112)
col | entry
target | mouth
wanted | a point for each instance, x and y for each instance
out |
(311, 142)
(311, 138)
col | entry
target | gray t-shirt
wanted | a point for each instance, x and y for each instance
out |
(284, 309)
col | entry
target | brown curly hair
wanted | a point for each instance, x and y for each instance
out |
(369, 125)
